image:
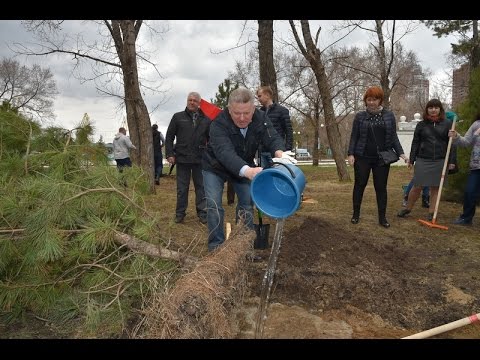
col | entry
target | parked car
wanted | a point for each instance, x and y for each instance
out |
(302, 154)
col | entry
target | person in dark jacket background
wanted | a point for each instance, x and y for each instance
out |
(235, 137)
(373, 130)
(427, 155)
(158, 141)
(278, 115)
(190, 128)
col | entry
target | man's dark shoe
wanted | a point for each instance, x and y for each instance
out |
(430, 216)
(179, 219)
(384, 223)
(403, 212)
(462, 221)
(157, 182)
(202, 220)
(354, 219)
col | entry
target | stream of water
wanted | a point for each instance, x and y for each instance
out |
(268, 279)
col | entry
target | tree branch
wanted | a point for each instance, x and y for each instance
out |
(74, 53)
(150, 249)
(134, 244)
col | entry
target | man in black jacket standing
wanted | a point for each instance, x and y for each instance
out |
(235, 137)
(278, 115)
(158, 142)
(190, 128)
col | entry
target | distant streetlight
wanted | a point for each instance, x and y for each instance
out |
(321, 127)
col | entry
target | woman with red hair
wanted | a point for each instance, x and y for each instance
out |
(373, 130)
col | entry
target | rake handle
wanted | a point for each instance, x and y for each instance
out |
(442, 179)
(446, 327)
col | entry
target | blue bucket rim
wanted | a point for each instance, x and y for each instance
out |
(295, 187)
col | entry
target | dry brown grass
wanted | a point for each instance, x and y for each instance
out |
(335, 206)
(200, 303)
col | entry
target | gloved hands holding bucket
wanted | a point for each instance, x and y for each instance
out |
(285, 159)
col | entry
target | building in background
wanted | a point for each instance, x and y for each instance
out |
(419, 87)
(461, 77)
(411, 93)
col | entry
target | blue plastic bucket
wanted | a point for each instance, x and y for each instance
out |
(277, 191)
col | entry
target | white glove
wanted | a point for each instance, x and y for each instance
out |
(289, 157)
(285, 159)
(289, 152)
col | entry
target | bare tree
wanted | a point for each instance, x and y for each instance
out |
(312, 54)
(304, 101)
(346, 88)
(387, 35)
(30, 90)
(268, 76)
(119, 54)
(246, 73)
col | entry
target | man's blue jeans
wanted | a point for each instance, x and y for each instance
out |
(213, 185)
(158, 160)
(472, 192)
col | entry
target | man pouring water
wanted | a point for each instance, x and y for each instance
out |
(235, 137)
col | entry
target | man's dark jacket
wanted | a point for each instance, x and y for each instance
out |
(228, 151)
(157, 142)
(191, 137)
(280, 118)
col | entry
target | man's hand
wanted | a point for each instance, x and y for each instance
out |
(171, 160)
(452, 134)
(252, 171)
(351, 160)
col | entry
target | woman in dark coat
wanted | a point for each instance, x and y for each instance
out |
(428, 151)
(373, 130)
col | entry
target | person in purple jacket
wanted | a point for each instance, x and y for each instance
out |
(472, 188)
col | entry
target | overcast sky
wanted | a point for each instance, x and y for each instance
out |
(186, 61)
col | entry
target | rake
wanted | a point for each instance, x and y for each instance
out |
(433, 223)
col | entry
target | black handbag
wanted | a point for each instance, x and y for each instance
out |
(385, 157)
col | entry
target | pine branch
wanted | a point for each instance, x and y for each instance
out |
(135, 244)
(112, 189)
